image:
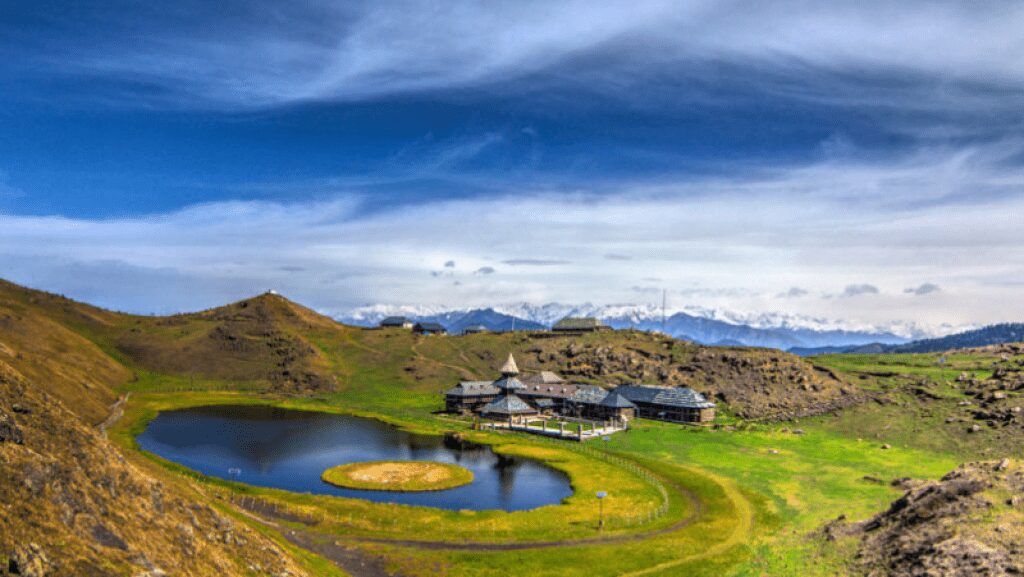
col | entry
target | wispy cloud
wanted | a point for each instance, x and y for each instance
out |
(924, 289)
(854, 290)
(793, 293)
(534, 261)
(314, 51)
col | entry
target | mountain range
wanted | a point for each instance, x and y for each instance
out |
(985, 336)
(705, 326)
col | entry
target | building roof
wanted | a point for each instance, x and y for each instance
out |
(543, 378)
(508, 383)
(558, 390)
(508, 404)
(668, 396)
(544, 403)
(473, 389)
(475, 329)
(510, 368)
(616, 400)
(394, 321)
(431, 327)
(588, 394)
(577, 324)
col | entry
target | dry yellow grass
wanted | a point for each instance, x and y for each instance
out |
(398, 476)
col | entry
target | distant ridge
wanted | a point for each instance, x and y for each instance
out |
(985, 336)
(697, 326)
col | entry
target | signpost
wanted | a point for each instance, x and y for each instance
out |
(600, 507)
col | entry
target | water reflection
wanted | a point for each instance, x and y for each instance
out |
(289, 449)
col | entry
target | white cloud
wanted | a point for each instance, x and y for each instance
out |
(949, 216)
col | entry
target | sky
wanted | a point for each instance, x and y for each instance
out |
(859, 161)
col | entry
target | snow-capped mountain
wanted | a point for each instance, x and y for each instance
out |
(699, 324)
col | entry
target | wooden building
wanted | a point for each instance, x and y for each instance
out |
(470, 396)
(577, 325)
(676, 404)
(593, 402)
(508, 398)
(508, 406)
(429, 329)
(396, 323)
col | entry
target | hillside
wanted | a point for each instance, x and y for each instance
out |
(35, 339)
(751, 383)
(987, 336)
(256, 340)
(990, 335)
(966, 524)
(72, 505)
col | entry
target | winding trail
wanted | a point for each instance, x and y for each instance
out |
(697, 509)
(744, 527)
(345, 553)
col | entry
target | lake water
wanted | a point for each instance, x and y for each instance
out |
(289, 449)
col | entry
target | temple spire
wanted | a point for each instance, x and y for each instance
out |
(509, 369)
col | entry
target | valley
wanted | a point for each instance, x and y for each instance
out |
(797, 444)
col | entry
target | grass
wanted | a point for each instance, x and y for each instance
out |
(787, 484)
(402, 476)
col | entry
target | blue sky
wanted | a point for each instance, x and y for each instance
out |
(828, 159)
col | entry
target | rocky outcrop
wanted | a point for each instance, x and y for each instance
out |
(967, 524)
(71, 504)
(753, 383)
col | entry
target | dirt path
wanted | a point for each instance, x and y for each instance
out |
(466, 374)
(116, 412)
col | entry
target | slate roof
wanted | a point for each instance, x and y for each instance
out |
(544, 403)
(543, 378)
(560, 390)
(668, 396)
(509, 383)
(394, 322)
(430, 327)
(508, 404)
(588, 394)
(578, 324)
(616, 400)
(471, 329)
(473, 389)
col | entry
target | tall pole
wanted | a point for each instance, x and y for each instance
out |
(664, 301)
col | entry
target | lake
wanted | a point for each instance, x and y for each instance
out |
(289, 449)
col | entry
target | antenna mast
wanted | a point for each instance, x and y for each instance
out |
(664, 300)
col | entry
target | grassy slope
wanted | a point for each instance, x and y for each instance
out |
(904, 416)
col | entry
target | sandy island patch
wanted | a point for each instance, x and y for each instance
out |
(398, 476)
